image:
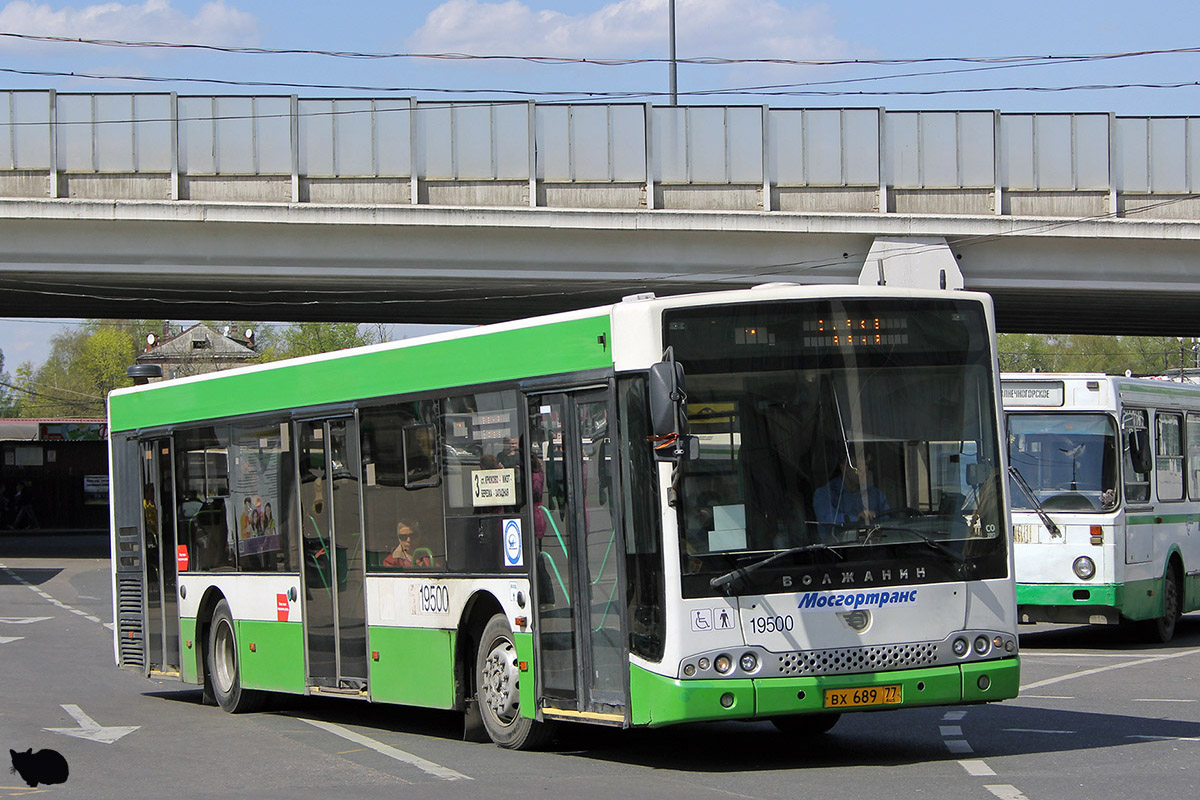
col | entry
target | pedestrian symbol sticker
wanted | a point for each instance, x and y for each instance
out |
(723, 619)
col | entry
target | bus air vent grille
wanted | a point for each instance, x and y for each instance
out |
(848, 660)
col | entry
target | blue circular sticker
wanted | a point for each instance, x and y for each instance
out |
(512, 543)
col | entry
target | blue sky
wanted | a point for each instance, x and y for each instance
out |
(864, 30)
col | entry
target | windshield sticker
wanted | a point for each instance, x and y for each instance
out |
(855, 600)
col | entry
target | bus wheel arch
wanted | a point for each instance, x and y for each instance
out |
(204, 615)
(477, 612)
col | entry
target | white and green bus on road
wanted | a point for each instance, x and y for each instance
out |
(778, 503)
(1106, 498)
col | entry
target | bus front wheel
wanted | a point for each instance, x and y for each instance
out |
(1162, 629)
(497, 678)
(223, 665)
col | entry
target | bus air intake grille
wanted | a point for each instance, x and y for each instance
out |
(848, 660)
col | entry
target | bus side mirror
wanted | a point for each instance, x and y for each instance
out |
(666, 398)
(1139, 450)
(668, 416)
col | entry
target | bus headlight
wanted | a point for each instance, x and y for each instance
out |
(1085, 568)
(982, 645)
(723, 663)
(748, 662)
(960, 646)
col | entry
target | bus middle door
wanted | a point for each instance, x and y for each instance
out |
(581, 653)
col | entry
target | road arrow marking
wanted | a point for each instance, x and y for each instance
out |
(22, 620)
(7, 639)
(90, 729)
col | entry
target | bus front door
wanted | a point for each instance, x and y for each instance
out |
(158, 537)
(581, 655)
(332, 543)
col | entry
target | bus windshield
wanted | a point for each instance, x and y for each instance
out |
(849, 443)
(1068, 460)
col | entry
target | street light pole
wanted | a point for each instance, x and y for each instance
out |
(671, 39)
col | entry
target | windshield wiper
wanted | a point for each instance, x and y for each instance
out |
(1027, 490)
(741, 572)
(927, 539)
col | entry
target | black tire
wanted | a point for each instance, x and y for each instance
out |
(497, 680)
(224, 671)
(805, 724)
(1162, 629)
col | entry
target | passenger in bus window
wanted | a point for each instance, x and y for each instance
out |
(850, 497)
(405, 555)
(510, 456)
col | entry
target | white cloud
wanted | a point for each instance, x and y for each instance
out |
(154, 20)
(726, 28)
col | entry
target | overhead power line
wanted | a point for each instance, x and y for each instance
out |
(604, 62)
(777, 90)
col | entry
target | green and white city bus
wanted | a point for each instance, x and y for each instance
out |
(619, 516)
(1105, 498)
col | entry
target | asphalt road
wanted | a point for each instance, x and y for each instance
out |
(1101, 715)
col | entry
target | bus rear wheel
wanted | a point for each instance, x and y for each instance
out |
(1162, 629)
(804, 725)
(497, 678)
(223, 665)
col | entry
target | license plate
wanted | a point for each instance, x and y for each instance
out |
(890, 694)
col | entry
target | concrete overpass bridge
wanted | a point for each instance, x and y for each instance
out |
(285, 208)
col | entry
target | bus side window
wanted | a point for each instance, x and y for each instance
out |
(1192, 434)
(1137, 481)
(1168, 462)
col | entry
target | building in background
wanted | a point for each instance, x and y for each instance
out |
(197, 350)
(53, 474)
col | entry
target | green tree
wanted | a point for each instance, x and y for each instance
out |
(8, 393)
(84, 365)
(311, 338)
(1114, 355)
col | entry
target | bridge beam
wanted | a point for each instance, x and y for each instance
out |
(183, 259)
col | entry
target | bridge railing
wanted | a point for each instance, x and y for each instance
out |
(283, 148)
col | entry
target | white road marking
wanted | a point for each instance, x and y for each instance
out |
(7, 639)
(1166, 738)
(977, 767)
(1005, 791)
(22, 620)
(950, 730)
(1162, 700)
(436, 770)
(959, 746)
(1096, 670)
(1073, 656)
(49, 599)
(90, 729)
(954, 716)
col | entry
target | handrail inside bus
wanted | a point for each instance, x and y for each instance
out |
(557, 535)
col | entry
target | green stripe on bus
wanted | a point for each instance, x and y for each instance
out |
(1063, 594)
(277, 661)
(658, 700)
(189, 665)
(415, 666)
(558, 347)
(1162, 519)
(1134, 599)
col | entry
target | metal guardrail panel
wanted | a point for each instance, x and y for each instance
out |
(398, 138)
